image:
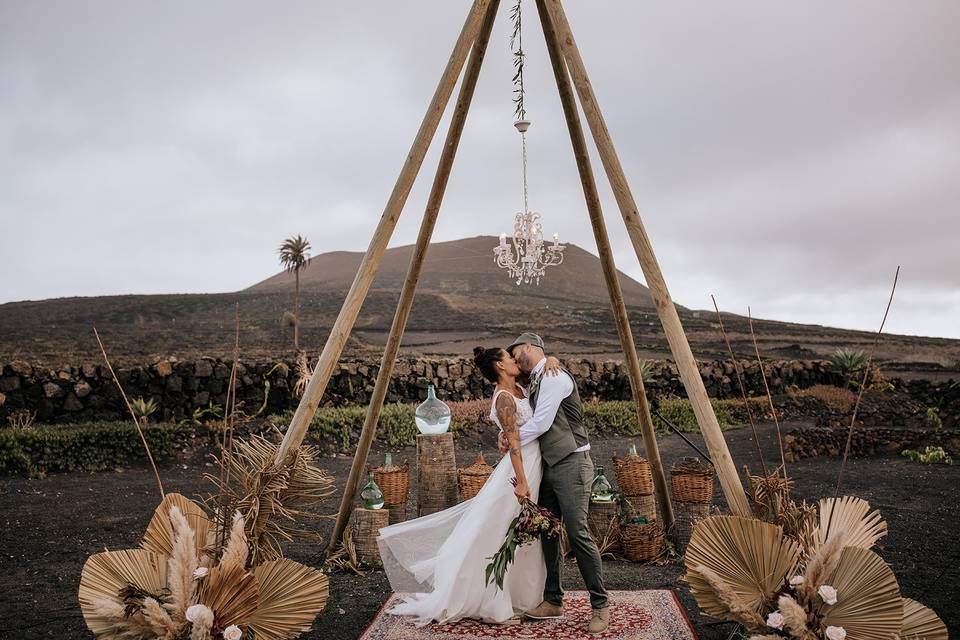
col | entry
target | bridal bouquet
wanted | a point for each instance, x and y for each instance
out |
(534, 521)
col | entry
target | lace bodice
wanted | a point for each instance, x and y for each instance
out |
(524, 410)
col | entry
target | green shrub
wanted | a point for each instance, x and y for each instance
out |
(929, 455)
(91, 446)
(933, 419)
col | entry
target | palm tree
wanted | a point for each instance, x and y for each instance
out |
(294, 256)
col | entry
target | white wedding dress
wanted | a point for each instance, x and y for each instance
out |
(437, 562)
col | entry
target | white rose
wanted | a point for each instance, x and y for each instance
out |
(828, 593)
(775, 620)
(796, 581)
(200, 572)
(232, 632)
(836, 633)
(198, 611)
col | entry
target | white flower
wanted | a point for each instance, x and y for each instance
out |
(775, 620)
(200, 572)
(232, 632)
(828, 593)
(836, 633)
(796, 581)
(197, 612)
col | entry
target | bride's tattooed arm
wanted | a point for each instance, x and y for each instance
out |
(507, 414)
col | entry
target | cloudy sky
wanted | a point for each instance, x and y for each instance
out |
(784, 155)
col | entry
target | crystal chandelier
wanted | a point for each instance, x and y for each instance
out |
(526, 258)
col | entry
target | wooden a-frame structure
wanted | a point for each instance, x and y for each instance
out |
(571, 76)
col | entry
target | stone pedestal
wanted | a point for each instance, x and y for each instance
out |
(436, 473)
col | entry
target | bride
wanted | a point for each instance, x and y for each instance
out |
(437, 562)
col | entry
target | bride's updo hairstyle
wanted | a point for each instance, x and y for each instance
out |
(486, 360)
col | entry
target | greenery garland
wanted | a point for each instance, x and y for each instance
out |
(516, 45)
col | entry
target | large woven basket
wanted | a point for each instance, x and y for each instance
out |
(472, 478)
(603, 518)
(642, 542)
(394, 482)
(366, 527)
(645, 506)
(686, 517)
(633, 476)
(691, 481)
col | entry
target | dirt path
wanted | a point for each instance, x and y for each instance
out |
(49, 528)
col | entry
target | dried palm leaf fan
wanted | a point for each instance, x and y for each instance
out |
(290, 596)
(271, 496)
(921, 623)
(851, 516)
(738, 564)
(108, 574)
(868, 605)
(160, 532)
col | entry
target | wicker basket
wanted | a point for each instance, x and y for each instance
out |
(398, 512)
(686, 517)
(645, 506)
(436, 473)
(394, 482)
(366, 527)
(633, 476)
(691, 481)
(642, 542)
(603, 518)
(472, 479)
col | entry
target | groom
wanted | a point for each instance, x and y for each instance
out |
(567, 478)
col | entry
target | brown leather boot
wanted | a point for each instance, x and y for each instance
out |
(599, 621)
(545, 611)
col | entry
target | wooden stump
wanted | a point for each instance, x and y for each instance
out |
(687, 515)
(366, 527)
(437, 473)
(604, 521)
(398, 512)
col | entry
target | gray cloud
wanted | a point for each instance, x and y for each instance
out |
(784, 155)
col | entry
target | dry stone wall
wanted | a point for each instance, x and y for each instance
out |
(87, 392)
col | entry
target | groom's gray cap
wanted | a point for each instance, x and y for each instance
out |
(526, 337)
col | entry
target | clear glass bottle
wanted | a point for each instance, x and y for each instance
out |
(601, 489)
(633, 450)
(388, 460)
(433, 415)
(371, 496)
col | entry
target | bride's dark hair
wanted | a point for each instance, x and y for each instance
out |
(486, 360)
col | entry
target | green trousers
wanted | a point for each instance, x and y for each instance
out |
(565, 490)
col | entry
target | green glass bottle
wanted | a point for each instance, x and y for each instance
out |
(388, 460)
(371, 496)
(601, 489)
(433, 414)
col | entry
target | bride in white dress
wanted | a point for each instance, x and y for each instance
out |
(438, 561)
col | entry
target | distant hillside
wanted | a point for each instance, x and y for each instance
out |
(464, 273)
(463, 300)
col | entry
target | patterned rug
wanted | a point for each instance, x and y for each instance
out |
(653, 614)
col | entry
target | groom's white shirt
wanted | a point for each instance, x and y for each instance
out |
(553, 389)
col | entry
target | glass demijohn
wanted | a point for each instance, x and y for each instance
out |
(633, 450)
(433, 415)
(371, 495)
(601, 490)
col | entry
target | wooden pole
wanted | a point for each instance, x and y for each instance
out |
(673, 329)
(413, 274)
(378, 244)
(592, 198)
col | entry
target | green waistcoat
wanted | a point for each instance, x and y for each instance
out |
(567, 433)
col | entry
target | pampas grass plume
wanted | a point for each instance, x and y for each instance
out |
(202, 625)
(822, 565)
(236, 551)
(182, 565)
(739, 609)
(159, 620)
(795, 618)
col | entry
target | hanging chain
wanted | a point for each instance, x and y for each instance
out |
(523, 143)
